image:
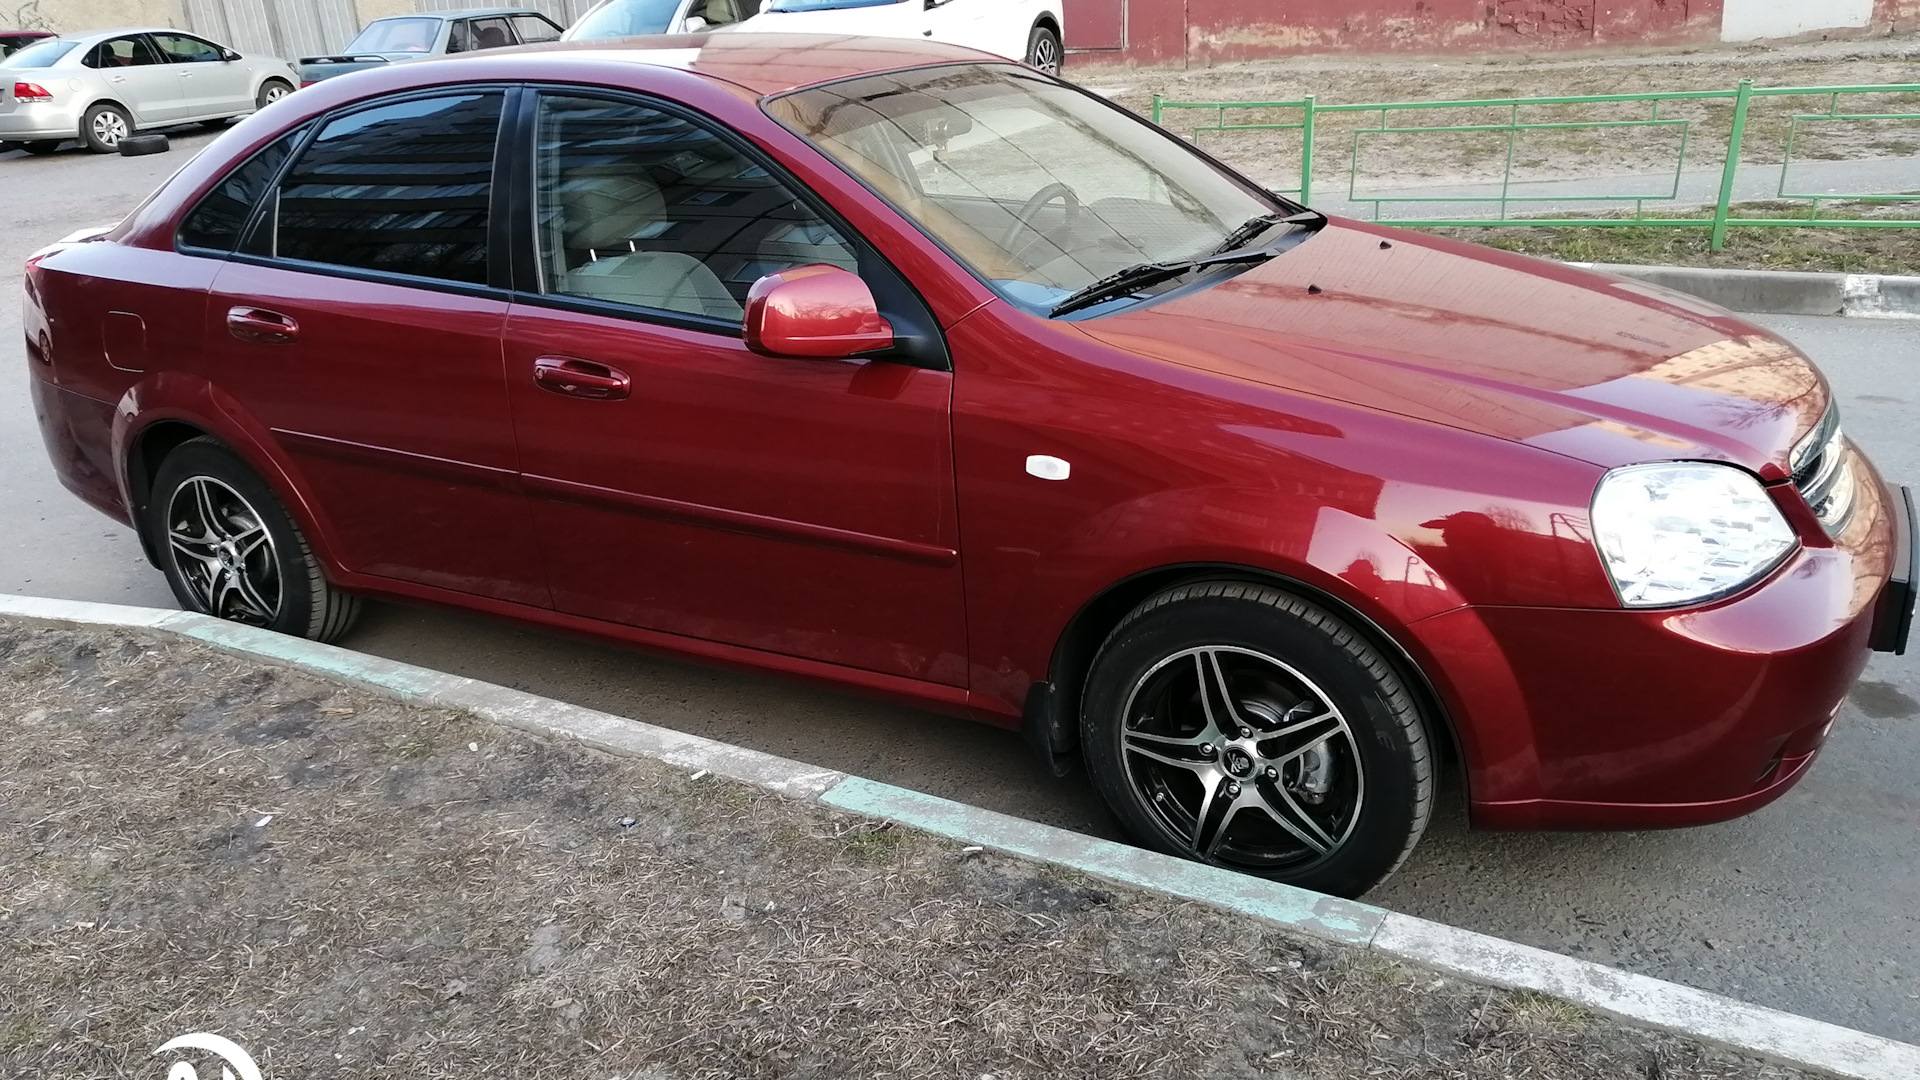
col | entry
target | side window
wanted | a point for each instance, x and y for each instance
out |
(403, 188)
(181, 49)
(122, 52)
(640, 207)
(533, 28)
(216, 221)
(724, 12)
(472, 35)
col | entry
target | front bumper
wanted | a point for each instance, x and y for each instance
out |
(1582, 718)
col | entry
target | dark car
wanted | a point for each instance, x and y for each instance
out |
(437, 33)
(910, 370)
(12, 41)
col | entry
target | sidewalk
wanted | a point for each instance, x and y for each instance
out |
(347, 885)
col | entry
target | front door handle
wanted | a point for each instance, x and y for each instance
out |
(260, 326)
(569, 377)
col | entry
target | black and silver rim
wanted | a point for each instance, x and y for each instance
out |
(1245, 760)
(109, 128)
(1046, 54)
(276, 91)
(223, 552)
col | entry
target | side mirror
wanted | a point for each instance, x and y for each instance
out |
(816, 311)
(230, 56)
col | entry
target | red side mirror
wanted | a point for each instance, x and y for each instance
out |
(818, 310)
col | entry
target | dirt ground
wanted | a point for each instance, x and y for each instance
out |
(1414, 158)
(347, 886)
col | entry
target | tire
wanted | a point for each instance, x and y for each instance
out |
(229, 549)
(1330, 780)
(271, 91)
(41, 147)
(1044, 51)
(102, 128)
(142, 145)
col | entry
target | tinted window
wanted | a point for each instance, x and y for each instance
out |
(643, 208)
(216, 222)
(396, 36)
(41, 55)
(402, 188)
(181, 49)
(532, 28)
(472, 35)
(624, 18)
(122, 52)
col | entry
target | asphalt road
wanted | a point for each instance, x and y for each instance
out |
(1812, 904)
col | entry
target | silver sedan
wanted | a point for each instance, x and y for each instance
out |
(99, 87)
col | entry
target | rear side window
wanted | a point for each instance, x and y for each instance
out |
(472, 35)
(403, 188)
(532, 28)
(122, 52)
(215, 223)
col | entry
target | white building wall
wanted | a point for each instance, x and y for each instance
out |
(1752, 20)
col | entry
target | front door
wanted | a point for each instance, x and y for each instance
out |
(357, 325)
(682, 483)
(210, 85)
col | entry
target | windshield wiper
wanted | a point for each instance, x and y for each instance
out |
(1141, 275)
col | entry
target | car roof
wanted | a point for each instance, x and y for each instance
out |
(462, 13)
(89, 36)
(761, 63)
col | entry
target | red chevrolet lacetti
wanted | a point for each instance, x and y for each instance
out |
(919, 373)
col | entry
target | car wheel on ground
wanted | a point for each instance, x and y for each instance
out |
(104, 126)
(1243, 726)
(229, 549)
(271, 91)
(1044, 51)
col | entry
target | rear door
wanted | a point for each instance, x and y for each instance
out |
(681, 482)
(210, 85)
(360, 325)
(137, 77)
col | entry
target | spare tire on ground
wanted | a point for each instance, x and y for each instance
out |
(141, 145)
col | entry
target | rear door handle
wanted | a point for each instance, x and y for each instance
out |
(569, 377)
(260, 326)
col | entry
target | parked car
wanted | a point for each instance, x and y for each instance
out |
(631, 18)
(102, 86)
(12, 41)
(1028, 30)
(438, 33)
(1017, 29)
(746, 353)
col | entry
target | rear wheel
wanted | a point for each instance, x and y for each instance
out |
(1044, 51)
(104, 126)
(1239, 725)
(271, 91)
(230, 550)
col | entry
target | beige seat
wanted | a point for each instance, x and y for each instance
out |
(600, 217)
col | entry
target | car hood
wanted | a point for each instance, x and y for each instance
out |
(1595, 367)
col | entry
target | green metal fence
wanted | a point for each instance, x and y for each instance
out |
(1309, 122)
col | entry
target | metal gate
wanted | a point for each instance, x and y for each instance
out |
(289, 29)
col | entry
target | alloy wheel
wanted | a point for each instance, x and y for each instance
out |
(1243, 759)
(275, 92)
(224, 552)
(109, 128)
(1046, 55)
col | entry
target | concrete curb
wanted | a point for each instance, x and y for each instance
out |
(1784, 292)
(1784, 1037)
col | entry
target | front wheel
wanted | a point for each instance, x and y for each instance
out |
(103, 127)
(230, 550)
(271, 91)
(1044, 51)
(1242, 726)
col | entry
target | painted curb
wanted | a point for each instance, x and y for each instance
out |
(1783, 292)
(1784, 1037)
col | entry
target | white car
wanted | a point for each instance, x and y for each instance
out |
(102, 86)
(1028, 30)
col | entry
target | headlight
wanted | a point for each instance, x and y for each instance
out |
(1685, 532)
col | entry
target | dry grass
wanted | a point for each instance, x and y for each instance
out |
(352, 887)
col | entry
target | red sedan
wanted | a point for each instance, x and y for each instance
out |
(920, 373)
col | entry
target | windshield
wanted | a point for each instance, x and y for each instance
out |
(624, 18)
(826, 5)
(1041, 189)
(42, 54)
(397, 36)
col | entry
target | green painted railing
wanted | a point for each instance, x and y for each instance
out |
(1229, 117)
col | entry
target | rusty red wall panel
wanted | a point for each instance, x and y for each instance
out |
(1896, 15)
(1212, 31)
(1095, 24)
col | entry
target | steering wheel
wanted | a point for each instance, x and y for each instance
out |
(1023, 221)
